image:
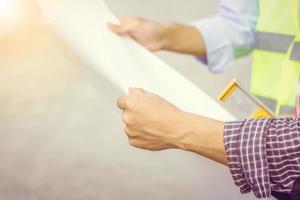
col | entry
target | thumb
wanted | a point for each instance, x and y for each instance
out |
(116, 28)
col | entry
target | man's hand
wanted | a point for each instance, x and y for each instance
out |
(150, 34)
(157, 36)
(151, 122)
(154, 124)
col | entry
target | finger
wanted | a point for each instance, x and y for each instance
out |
(133, 142)
(132, 133)
(122, 102)
(137, 143)
(114, 27)
(127, 119)
(120, 29)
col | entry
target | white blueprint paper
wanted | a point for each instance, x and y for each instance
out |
(82, 25)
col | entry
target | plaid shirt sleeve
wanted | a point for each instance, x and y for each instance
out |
(263, 154)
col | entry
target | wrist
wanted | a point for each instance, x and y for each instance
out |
(182, 39)
(202, 136)
(167, 42)
(185, 130)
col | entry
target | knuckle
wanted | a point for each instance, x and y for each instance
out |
(127, 131)
(120, 101)
(128, 104)
(125, 102)
(127, 119)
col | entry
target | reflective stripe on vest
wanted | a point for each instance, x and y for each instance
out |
(277, 43)
(295, 55)
(273, 42)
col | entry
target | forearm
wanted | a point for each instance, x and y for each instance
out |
(204, 137)
(254, 150)
(183, 39)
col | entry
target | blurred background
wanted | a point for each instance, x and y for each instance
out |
(61, 136)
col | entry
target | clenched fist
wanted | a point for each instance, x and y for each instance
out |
(154, 124)
(151, 122)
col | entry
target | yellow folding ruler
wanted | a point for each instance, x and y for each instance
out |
(258, 110)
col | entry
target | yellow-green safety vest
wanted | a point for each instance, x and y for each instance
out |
(276, 58)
